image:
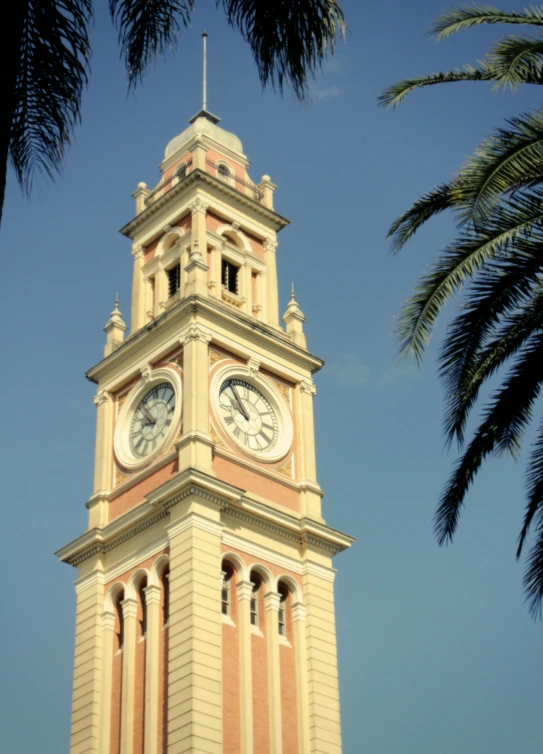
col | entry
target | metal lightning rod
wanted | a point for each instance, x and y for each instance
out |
(204, 107)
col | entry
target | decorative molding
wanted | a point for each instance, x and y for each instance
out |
(195, 332)
(259, 523)
(249, 547)
(138, 252)
(87, 582)
(286, 469)
(253, 365)
(270, 244)
(235, 226)
(233, 299)
(309, 387)
(146, 373)
(198, 206)
(272, 600)
(316, 569)
(120, 400)
(194, 521)
(167, 229)
(102, 396)
(119, 476)
(298, 611)
(244, 590)
(152, 595)
(130, 608)
(108, 621)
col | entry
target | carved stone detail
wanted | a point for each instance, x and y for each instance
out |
(198, 206)
(119, 477)
(195, 332)
(146, 373)
(286, 469)
(101, 397)
(253, 366)
(138, 251)
(283, 389)
(215, 356)
(214, 436)
(270, 244)
(306, 386)
(120, 400)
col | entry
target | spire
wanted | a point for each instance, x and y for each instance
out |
(204, 112)
(114, 329)
(294, 321)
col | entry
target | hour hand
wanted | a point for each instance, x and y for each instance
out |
(240, 405)
(148, 414)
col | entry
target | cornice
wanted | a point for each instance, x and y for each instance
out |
(195, 176)
(230, 500)
(270, 339)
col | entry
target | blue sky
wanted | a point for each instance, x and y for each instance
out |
(437, 652)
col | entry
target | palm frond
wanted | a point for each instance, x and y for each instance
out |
(430, 204)
(466, 16)
(289, 41)
(533, 577)
(52, 74)
(502, 312)
(501, 163)
(394, 94)
(519, 60)
(501, 430)
(458, 264)
(148, 28)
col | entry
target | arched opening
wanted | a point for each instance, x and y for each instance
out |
(256, 594)
(165, 585)
(282, 613)
(226, 588)
(119, 619)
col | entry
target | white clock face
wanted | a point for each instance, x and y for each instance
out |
(248, 416)
(151, 420)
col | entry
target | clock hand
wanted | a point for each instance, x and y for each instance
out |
(148, 414)
(240, 405)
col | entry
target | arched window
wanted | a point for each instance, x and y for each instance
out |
(226, 597)
(165, 582)
(256, 582)
(282, 612)
(181, 171)
(142, 607)
(224, 172)
(119, 619)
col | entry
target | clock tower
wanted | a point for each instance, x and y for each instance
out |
(205, 604)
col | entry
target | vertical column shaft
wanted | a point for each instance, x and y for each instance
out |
(195, 444)
(103, 447)
(138, 306)
(195, 660)
(272, 306)
(300, 650)
(108, 634)
(85, 731)
(245, 590)
(161, 288)
(152, 602)
(272, 600)
(130, 612)
(311, 497)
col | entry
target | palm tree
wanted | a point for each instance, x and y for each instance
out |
(497, 259)
(45, 56)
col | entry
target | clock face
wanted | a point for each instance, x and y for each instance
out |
(152, 419)
(248, 416)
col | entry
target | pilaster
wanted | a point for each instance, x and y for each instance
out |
(195, 444)
(161, 288)
(272, 308)
(130, 613)
(245, 591)
(108, 634)
(152, 602)
(137, 319)
(310, 496)
(199, 231)
(85, 731)
(324, 727)
(300, 651)
(195, 630)
(103, 456)
(272, 600)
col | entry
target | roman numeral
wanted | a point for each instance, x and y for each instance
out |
(237, 432)
(228, 420)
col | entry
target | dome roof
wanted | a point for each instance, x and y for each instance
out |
(204, 123)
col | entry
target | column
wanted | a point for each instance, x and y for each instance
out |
(198, 227)
(195, 630)
(271, 601)
(311, 495)
(300, 653)
(322, 674)
(195, 446)
(130, 613)
(98, 504)
(108, 635)
(215, 279)
(272, 307)
(183, 260)
(247, 291)
(85, 730)
(152, 602)
(245, 590)
(137, 314)
(161, 289)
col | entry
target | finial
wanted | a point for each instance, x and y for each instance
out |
(117, 302)
(292, 294)
(204, 88)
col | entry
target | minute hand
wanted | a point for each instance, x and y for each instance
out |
(242, 408)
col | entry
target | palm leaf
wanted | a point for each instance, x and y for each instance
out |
(502, 162)
(459, 262)
(393, 95)
(533, 577)
(289, 41)
(421, 211)
(518, 59)
(467, 16)
(148, 28)
(53, 72)
(502, 312)
(501, 430)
